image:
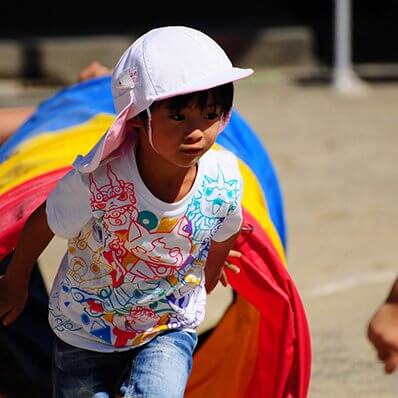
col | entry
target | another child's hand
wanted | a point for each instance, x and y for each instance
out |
(95, 69)
(383, 334)
(234, 268)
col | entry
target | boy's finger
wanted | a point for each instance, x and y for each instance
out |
(223, 279)
(234, 253)
(11, 317)
(3, 311)
(234, 268)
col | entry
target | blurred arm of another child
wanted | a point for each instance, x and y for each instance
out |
(11, 118)
(383, 330)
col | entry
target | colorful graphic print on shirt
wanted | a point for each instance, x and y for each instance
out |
(132, 275)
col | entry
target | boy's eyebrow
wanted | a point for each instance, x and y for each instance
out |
(180, 108)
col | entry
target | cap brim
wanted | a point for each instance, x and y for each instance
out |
(217, 79)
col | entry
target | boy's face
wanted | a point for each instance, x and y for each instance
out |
(181, 137)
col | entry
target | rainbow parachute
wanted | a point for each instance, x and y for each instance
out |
(261, 347)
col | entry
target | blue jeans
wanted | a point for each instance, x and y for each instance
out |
(157, 369)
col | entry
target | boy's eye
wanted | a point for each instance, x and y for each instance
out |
(212, 116)
(178, 117)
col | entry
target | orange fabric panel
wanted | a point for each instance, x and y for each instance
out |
(233, 349)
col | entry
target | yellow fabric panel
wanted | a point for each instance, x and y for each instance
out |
(51, 151)
(232, 347)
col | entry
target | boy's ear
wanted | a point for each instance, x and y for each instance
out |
(135, 122)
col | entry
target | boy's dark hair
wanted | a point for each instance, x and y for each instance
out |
(222, 96)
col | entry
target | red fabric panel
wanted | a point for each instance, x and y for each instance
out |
(17, 205)
(283, 364)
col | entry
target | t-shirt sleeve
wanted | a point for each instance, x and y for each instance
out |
(233, 220)
(68, 208)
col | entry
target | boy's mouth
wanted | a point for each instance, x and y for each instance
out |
(191, 150)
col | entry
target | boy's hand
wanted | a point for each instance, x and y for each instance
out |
(212, 279)
(234, 268)
(383, 334)
(217, 259)
(14, 284)
(13, 297)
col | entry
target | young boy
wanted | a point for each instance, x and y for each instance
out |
(150, 214)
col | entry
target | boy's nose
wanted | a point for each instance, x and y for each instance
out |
(193, 135)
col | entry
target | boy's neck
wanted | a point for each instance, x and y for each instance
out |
(166, 181)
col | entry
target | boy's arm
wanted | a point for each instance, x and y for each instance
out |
(34, 238)
(216, 260)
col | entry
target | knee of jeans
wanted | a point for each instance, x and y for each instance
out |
(100, 395)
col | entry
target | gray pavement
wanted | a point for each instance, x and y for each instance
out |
(336, 159)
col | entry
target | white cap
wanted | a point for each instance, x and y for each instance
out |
(163, 63)
(170, 61)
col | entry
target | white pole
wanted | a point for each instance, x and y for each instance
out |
(344, 77)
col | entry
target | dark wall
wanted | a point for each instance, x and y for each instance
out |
(65, 18)
(375, 30)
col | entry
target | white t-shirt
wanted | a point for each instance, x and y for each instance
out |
(135, 264)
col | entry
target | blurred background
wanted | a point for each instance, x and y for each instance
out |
(40, 41)
(323, 100)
